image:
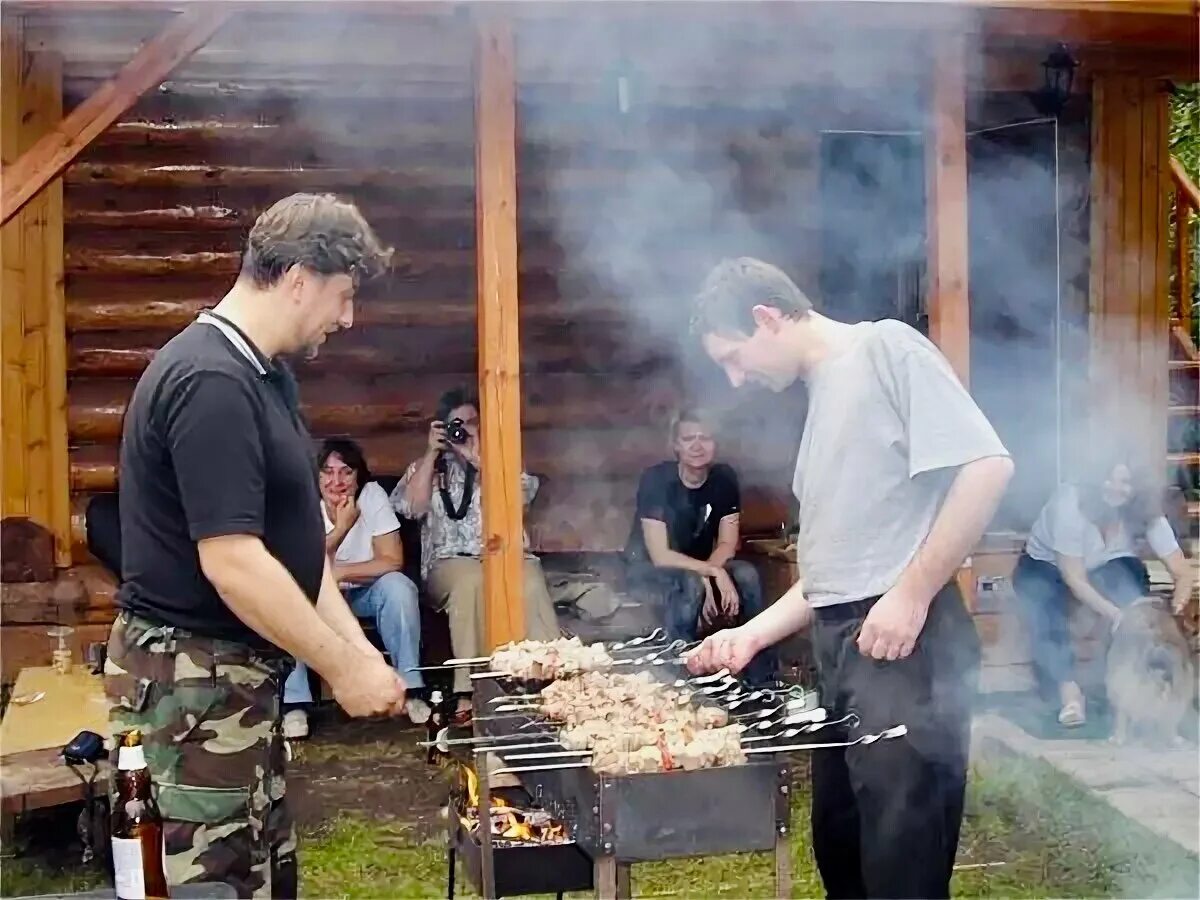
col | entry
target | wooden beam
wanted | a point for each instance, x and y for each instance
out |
(1183, 258)
(149, 66)
(33, 344)
(946, 204)
(1185, 184)
(499, 343)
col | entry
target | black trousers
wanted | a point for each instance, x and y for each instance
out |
(886, 816)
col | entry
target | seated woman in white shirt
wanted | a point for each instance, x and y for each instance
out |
(362, 538)
(1085, 544)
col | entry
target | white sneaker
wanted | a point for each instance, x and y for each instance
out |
(295, 725)
(418, 710)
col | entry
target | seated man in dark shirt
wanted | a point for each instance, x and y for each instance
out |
(684, 536)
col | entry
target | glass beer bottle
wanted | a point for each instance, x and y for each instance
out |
(137, 827)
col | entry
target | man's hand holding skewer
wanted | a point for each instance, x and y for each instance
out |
(731, 649)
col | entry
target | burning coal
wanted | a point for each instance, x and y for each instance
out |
(508, 823)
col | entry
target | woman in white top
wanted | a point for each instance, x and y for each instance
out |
(362, 538)
(1085, 544)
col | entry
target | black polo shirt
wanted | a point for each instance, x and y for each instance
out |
(213, 446)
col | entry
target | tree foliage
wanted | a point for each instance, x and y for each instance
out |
(1184, 134)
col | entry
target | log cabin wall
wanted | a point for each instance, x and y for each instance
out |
(159, 205)
(641, 165)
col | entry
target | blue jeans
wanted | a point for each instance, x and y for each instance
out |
(391, 600)
(681, 594)
(1044, 597)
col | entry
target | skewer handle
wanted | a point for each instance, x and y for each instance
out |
(513, 770)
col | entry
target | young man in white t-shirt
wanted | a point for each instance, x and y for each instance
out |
(362, 539)
(897, 475)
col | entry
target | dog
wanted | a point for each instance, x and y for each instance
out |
(1150, 677)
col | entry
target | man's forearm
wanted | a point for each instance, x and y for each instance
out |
(787, 615)
(966, 512)
(722, 554)
(261, 592)
(673, 559)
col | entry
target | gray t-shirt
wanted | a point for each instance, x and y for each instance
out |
(888, 423)
(1062, 528)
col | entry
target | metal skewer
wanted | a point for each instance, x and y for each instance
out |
(893, 732)
(888, 734)
(851, 719)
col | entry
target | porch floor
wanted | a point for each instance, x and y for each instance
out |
(1159, 789)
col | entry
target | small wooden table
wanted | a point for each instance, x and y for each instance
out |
(33, 774)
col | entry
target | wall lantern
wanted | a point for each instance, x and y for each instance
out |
(1058, 78)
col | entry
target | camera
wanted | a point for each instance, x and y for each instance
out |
(456, 432)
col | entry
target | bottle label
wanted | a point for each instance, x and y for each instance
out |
(127, 868)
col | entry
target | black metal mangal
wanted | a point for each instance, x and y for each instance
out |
(619, 820)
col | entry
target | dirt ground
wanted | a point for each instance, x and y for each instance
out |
(370, 768)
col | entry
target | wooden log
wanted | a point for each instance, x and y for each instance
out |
(227, 264)
(499, 344)
(27, 551)
(62, 601)
(54, 152)
(581, 346)
(946, 205)
(555, 401)
(310, 178)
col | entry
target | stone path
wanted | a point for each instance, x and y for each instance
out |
(1160, 789)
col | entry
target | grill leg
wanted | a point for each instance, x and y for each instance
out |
(487, 862)
(624, 888)
(450, 872)
(612, 879)
(783, 865)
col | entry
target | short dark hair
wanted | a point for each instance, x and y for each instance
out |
(453, 399)
(317, 231)
(351, 454)
(734, 287)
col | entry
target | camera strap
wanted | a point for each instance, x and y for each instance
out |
(459, 512)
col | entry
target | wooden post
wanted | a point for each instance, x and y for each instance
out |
(499, 343)
(187, 33)
(946, 204)
(32, 321)
(946, 212)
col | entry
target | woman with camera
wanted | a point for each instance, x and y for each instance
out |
(442, 490)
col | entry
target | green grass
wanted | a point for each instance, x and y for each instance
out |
(1051, 836)
(24, 878)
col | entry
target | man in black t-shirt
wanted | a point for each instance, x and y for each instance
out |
(683, 538)
(223, 553)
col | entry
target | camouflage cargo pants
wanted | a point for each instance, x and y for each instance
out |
(209, 713)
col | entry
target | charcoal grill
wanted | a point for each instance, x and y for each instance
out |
(516, 869)
(619, 820)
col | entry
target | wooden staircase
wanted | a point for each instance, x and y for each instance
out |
(1183, 365)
